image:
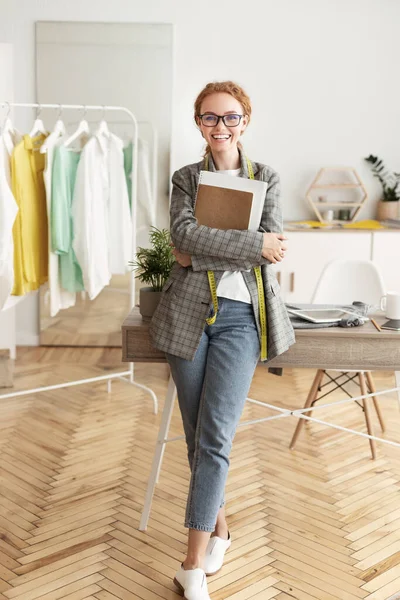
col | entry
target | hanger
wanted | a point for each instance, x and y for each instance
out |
(7, 126)
(82, 130)
(103, 127)
(59, 127)
(8, 131)
(58, 131)
(38, 126)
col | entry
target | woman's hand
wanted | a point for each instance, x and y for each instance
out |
(183, 259)
(273, 248)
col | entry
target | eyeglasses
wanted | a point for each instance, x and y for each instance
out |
(210, 120)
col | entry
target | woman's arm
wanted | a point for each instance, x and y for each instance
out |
(199, 240)
(271, 221)
(212, 263)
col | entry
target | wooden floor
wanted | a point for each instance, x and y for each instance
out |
(90, 322)
(321, 522)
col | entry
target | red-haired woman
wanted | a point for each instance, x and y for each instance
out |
(213, 364)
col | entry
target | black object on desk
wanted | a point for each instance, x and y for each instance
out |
(392, 324)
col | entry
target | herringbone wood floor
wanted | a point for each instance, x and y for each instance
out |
(322, 522)
(81, 324)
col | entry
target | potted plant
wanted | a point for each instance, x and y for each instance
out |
(388, 206)
(154, 266)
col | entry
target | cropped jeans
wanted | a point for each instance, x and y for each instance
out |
(212, 391)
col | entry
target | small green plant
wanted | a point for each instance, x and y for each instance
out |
(154, 264)
(390, 181)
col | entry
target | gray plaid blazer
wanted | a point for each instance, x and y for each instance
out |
(179, 320)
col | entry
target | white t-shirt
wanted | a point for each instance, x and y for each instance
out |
(232, 285)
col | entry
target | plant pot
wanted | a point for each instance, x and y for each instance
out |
(148, 302)
(387, 210)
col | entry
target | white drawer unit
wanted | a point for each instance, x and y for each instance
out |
(309, 252)
(386, 256)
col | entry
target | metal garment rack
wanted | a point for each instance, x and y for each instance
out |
(124, 375)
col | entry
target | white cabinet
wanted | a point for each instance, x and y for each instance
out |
(309, 252)
(386, 256)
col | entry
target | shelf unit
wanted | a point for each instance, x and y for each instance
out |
(318, 206)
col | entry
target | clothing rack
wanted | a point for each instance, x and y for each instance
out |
(124, 375)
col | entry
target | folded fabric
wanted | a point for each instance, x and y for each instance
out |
(359, 310)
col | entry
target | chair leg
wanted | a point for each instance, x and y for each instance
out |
(312, 394)
(372, 388)
(367, 413)
(159, 452)
(310, 412)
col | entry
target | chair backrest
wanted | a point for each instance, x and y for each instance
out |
(344, 281)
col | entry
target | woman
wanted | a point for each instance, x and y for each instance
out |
(213, 363)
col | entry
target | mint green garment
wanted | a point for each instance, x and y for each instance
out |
(65, 164)
(128, 159)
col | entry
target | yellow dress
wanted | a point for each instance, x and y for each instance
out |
(30, 226)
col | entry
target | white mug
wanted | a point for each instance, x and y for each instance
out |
(328, 216)
(391, 305)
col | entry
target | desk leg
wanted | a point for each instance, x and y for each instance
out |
(159, 452)
(397, 377)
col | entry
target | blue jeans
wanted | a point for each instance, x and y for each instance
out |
(212, 390)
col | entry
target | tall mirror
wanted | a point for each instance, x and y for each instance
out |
(118, 64)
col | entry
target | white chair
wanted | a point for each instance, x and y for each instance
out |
(342, 282)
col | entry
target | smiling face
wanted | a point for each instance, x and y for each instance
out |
(222, 138)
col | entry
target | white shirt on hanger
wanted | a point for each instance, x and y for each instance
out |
(59, 298)
(8, 212)
(101, 214)
(119, 214)
(232, 285)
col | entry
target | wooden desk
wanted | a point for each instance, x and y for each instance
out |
(354, 348)
(363, 348)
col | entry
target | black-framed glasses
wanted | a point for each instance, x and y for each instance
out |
(210, 120)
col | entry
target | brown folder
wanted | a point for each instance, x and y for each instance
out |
(223, 208)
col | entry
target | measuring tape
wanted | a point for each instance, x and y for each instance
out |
(262, 311)
(214, 297)
(260, 288)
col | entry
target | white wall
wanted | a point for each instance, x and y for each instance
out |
(322, 75)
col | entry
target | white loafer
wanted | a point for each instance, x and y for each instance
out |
(192, 584)
(215, 553)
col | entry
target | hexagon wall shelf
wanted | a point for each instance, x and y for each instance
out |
(317, 184)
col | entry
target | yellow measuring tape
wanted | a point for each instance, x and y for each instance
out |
(260, 288)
